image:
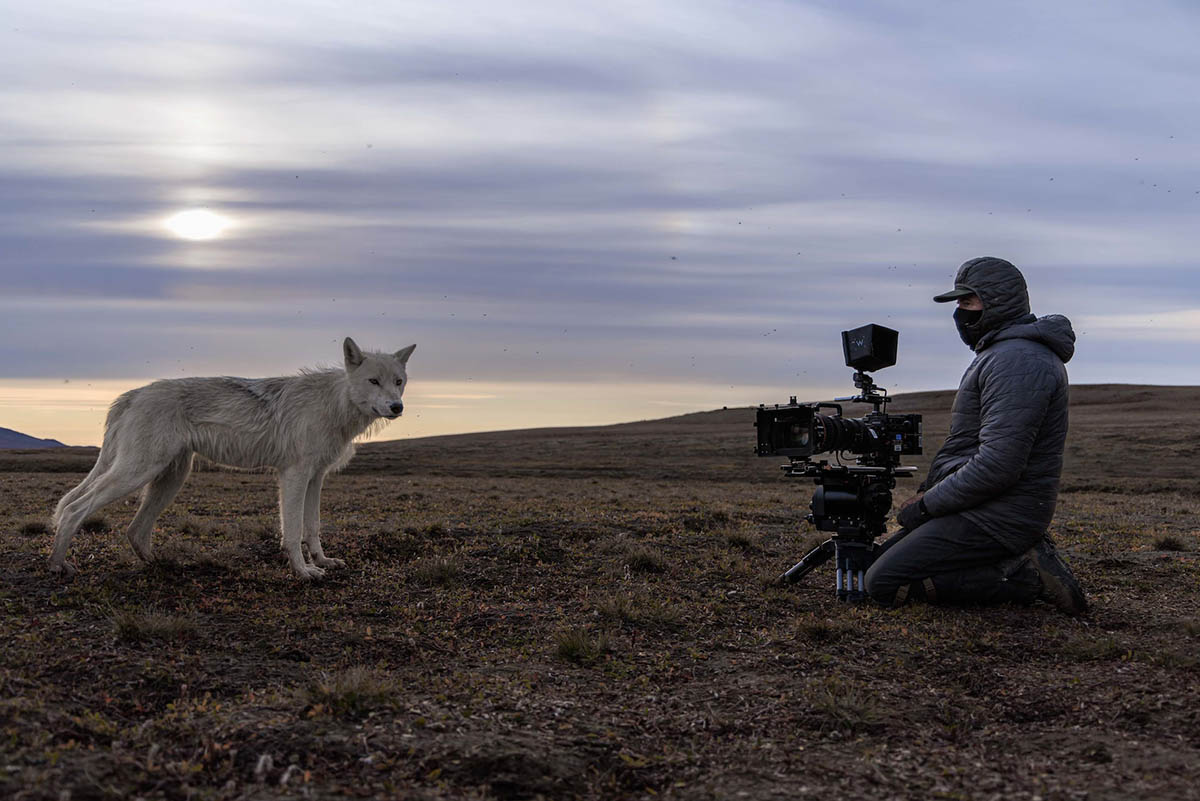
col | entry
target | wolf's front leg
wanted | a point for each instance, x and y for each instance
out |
(292, 487)
(312, 524)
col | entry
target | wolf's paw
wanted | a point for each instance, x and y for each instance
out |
(310, 572)
(65, 569)
(325, 561)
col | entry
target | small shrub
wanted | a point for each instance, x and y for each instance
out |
(352, 693)
(639, 610)
(821, 630)
(94, 524)
(1170, 543)
(619, 608)
(436, 571)
(660, 613)
(742, 540)
(34, 528)
(198, 527)
(645, 560)
(223, 557)
(258, 531)
(176, 551)
(842, 705)
(580, 646)
(138, 626)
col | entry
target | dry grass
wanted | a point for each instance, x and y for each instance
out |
(351, 693)
(843, 705)
(640, 609)
(580, 646)
(33, 528)
(137, 626)
(95, 524)
(642, 559)
(1170, 543)
(436, 571)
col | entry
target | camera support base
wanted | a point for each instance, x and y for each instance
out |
(852, 559)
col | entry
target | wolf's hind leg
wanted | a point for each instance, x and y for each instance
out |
(98, 469)
(156, 497)
(117, 482)
(312, 524)
(66, 523)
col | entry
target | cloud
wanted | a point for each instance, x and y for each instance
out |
(694, 193)
(1180, 327)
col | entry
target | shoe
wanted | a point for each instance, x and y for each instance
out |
(1059, 585)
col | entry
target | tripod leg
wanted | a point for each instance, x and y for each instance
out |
(814, 558)
(853, 561)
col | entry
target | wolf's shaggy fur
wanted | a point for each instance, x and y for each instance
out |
(302, 425)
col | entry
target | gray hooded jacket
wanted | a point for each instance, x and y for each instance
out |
(1001, 463)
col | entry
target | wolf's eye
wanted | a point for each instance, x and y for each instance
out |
(374, 381)
(398, 382)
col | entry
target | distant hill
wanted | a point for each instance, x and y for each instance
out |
(1123, 436)
(1126, 436)
(15, 439)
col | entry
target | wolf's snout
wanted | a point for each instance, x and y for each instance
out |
(397, 407)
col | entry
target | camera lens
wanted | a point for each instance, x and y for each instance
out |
(836, 433)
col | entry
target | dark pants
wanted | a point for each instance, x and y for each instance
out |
(950, 560)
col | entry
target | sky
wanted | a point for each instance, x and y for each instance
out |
(582, 213)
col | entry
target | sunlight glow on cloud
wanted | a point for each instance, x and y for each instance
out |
(196, 224)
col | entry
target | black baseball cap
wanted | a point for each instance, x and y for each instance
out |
(959, 291)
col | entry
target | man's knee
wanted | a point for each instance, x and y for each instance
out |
(885, 585)
(887, 594)
(897, 591)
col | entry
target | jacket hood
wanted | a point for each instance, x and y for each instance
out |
(1054, 331)
(1002, 289)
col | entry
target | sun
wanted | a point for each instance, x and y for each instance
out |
(196, 224)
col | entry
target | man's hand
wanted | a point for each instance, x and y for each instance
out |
(913, 513)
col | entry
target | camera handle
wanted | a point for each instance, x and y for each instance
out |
(871, 392)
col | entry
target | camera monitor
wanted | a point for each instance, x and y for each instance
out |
(870, 347)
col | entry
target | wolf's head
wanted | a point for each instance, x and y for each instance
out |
(377, 380)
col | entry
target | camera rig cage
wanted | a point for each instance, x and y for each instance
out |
(851, 501)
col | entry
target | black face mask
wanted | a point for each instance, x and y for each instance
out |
(966, 321)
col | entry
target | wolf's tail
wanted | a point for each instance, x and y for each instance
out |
(108, 452)
(112, 428)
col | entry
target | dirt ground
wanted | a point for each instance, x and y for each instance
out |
(590, 613)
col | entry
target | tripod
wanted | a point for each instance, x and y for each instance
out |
(852, 502)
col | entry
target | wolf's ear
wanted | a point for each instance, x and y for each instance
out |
(353, 356)
(403, 354)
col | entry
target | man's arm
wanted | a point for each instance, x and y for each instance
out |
(1015, 393)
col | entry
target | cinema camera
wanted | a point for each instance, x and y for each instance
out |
(851, 501)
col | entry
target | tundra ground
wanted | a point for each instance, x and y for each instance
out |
(590, 613)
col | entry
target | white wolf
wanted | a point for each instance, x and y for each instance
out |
(302, 425)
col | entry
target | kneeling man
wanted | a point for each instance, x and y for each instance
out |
(977, 531)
